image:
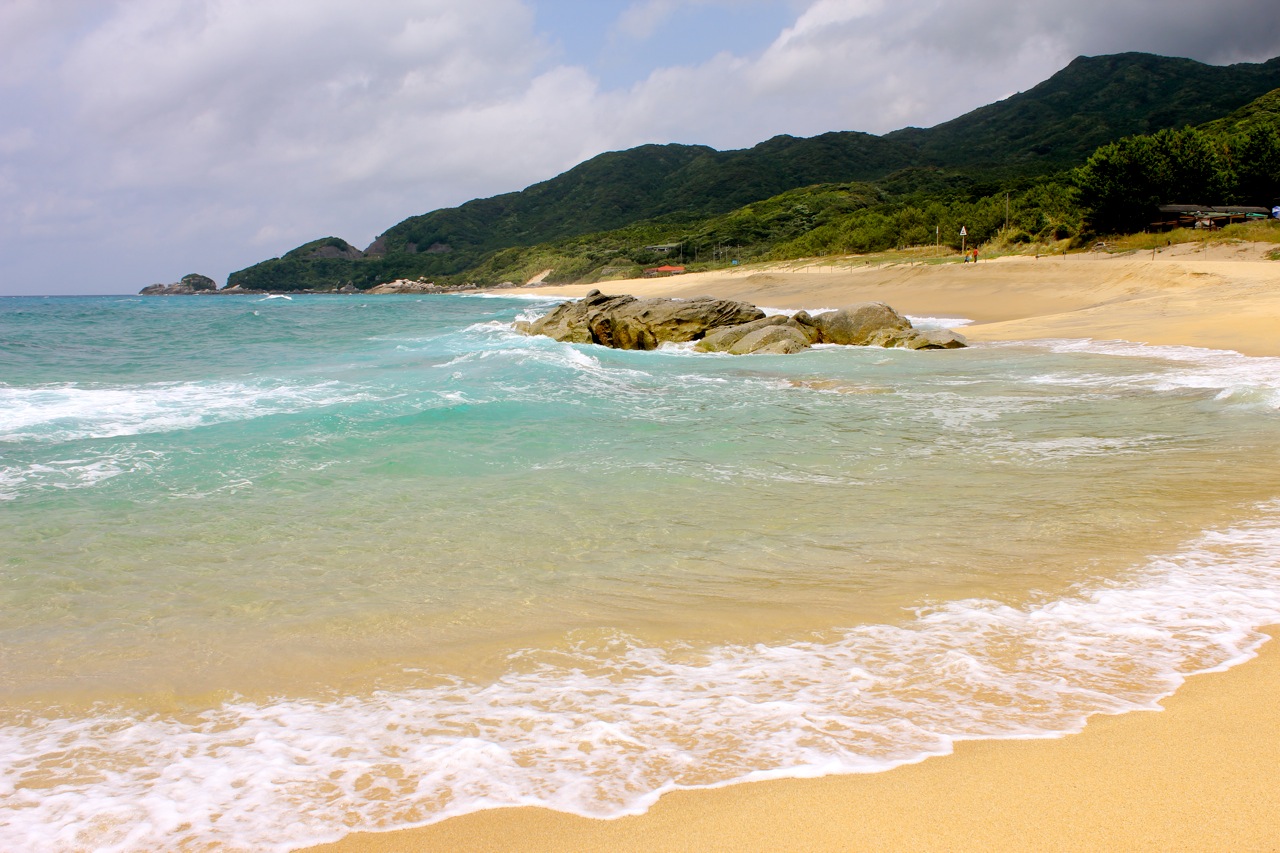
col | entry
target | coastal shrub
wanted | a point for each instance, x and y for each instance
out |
(1256, 166)
(1122, 184)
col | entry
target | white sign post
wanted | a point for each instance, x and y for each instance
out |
(964, 232)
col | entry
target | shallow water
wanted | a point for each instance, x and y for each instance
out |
(346, 562)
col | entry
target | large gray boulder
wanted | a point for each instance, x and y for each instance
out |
(405, 286)
(770, 335)
(858, 324)
(625, 322)
(722, 325)
(724, 339)
(807, 325)
(571, 321)
(771, 340)
(936, 339)
(918, 339)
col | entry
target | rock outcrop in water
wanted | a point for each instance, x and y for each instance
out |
(625, 322)
(405, 286)
(191, 284)
(723, 325)
(418, 286)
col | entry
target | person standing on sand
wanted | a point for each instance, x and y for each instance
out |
(975, 256)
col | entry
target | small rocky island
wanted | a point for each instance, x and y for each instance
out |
(190, 285)
(724, 325)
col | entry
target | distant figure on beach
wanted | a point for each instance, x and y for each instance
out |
(975, 256)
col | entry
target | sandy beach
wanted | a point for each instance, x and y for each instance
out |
(1202, 775)
(1219, 297)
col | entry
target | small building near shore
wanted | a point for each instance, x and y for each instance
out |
(1205, 216)
(656, 272)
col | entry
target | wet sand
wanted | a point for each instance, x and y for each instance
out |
(1203, 775)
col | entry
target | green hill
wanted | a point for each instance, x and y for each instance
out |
(675, 188)
(1093, 101)
(1263, 113)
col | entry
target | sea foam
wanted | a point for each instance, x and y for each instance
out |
(603, 730)
(1231, 376)
(61, 413)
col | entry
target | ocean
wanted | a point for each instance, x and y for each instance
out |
(273, 570)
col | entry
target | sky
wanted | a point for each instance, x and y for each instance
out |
(141, 140)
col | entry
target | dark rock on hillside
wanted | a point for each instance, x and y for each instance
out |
(191, 284)
(350, 253)
(326, 248)
(722, 325)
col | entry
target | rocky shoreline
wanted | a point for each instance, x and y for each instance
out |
(200, 285)
(190, 285)
(725, 325)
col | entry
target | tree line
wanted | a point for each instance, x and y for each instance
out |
(1124, 182)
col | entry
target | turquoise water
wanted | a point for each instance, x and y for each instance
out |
(274, 569)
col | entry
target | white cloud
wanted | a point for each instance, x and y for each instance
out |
(823, 15)
(32, 30)
(17, 140)
(641, 20)
(180, 87)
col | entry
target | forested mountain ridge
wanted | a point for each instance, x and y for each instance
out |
(1093, 101)
(1053, 126)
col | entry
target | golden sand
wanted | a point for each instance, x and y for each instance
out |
(1221, 297)
(1203, 775)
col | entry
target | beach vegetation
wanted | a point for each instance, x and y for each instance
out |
(1266, 231)
(1235, 160)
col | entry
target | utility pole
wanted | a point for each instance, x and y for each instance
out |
(1006, 212)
